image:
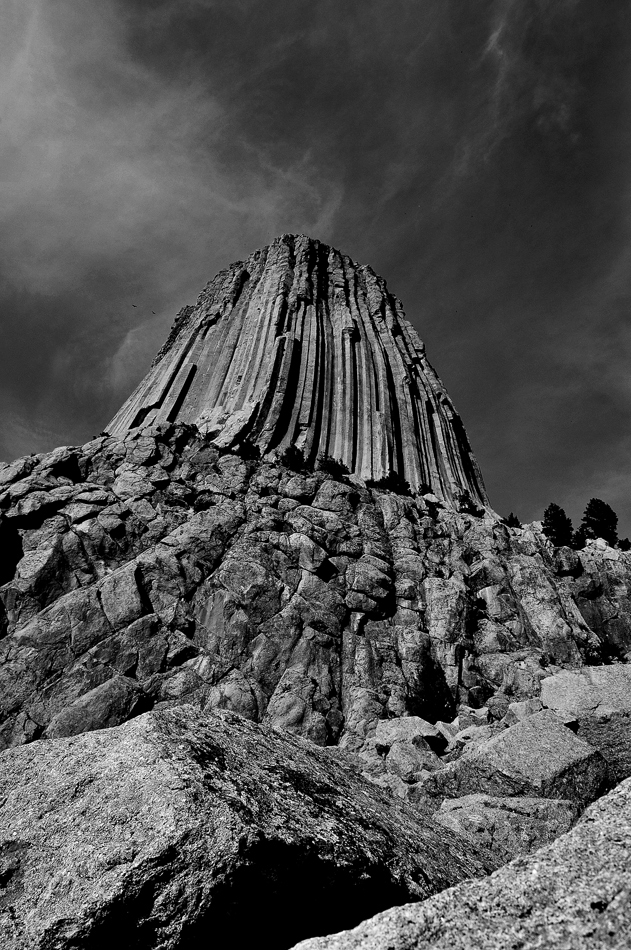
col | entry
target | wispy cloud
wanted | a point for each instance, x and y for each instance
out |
(476, 154)
(109, 169)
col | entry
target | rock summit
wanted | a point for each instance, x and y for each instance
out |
(264, 644)
(300, 346)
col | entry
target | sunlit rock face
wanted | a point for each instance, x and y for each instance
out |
(168, 563)
(300, 346)
(285, 537)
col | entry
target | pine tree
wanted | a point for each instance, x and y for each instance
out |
(600, 521)
(512, 521)
(557, 526)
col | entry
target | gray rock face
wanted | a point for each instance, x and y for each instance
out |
(519, 711)
(309, 602)
(411, 729)
(537, 757)
(300, 346)
(247, 541)
(113, 702)
(175, 828)
(508, 826)
(574, 893)
(599, 700)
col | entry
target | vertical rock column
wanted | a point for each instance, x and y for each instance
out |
(301, 346)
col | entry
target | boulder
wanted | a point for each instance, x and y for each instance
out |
(508, 826)
(518, 711)
(178, 826)
(538, 757)
(408, 761)
(410, 729)
(107, 705)
(448, 729)
(599, 699)
(573, 894)
(467, 739)
(468, 716)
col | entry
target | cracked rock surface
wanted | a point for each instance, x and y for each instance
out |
(159, 568)
(598, 699)
(574, 893)
(538, 756)
(161, 579)
(177, 827)
(508, 826)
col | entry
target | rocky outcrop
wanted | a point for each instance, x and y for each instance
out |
(574, 893)
(598, 699)
(301, 347)
(287, 525)
(177, 829)
(160, 568)
(170, 563)
(536, 757)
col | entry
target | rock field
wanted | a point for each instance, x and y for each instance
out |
(177, 825)
(573, 894)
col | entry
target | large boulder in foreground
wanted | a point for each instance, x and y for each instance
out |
(538, 757)
(599, 699)
(177, 827)
(573, 894)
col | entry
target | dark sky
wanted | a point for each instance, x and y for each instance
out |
(474, 152)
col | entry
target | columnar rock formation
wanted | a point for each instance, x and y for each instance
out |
(301, 346)
(168, 575)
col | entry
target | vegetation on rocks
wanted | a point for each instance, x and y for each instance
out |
(557, 526)
(599, 521)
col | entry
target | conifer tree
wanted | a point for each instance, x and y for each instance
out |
(599, 521)
(557, 526)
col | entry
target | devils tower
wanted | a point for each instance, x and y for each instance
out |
(300, 346)
(270, 663)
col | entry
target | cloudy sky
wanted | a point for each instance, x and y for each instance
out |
(476, 153)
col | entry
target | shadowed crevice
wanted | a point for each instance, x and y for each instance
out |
(11, 551)
(279, 895)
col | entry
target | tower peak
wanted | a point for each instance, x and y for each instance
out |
(300, 346)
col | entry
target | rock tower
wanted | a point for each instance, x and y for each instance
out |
(300, 346)
(178, 614)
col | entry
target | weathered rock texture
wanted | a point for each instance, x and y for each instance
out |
(598, 698)
(170, 563)
(508, 826)
(300, 346)
(574, 894)
(160, 568)
(216, 552)
(536, 757)
(178, 831)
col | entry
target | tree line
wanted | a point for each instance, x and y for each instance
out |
(599, 521)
